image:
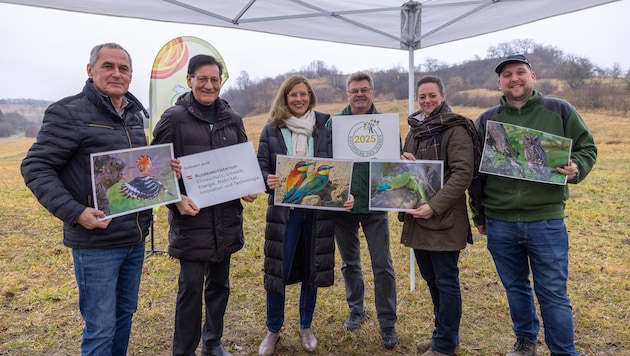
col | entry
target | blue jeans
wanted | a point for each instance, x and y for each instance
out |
(439, 269)
(543, 248)
(108, 281)
(376, 230)
(300, 226)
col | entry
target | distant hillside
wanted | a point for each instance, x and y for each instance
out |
(30, 109)
(471, 83)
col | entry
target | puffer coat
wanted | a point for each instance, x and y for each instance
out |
(57, 166)
(216, 231)
(322, 260)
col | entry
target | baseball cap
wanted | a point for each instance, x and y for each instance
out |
(510, 59)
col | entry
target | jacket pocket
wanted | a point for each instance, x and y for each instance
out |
(437, 222)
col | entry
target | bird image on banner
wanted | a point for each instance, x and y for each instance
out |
(315, 182)
(296, 177)
(145, 186)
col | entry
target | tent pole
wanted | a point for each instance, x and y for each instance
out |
(411, 96)
(411, 47)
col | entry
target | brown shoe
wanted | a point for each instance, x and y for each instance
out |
(309, 342)
(268, 345)
(424, 346)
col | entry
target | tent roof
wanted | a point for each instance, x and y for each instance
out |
(375, 23)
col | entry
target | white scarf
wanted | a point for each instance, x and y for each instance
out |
(301, 129)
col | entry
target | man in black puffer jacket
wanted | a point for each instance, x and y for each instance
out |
(202, 239)
(108, 253)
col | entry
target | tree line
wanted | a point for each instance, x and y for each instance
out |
(567, 76)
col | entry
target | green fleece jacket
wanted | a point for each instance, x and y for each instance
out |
(513, 200)
(360, 184)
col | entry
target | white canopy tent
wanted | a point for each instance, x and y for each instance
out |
(390, 24)
(377, 23)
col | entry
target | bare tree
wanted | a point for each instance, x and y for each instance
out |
(241, 98)
(577, 70)
(316, 69)
(523, 45)
(336, 79)
(615, 71)
(431, 65)
(503, 49)
(243, 82)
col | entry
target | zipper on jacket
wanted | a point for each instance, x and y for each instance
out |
(101, 126)
(140, 227)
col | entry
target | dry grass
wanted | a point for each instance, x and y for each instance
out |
(39, 313)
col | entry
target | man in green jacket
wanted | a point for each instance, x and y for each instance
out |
(524, 220)
(360, 92)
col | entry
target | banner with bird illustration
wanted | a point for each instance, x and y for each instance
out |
(404, 185)
(130, 180)
(168, 75)
(313, 183)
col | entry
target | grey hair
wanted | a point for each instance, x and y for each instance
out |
(359, 76)
(95, 52)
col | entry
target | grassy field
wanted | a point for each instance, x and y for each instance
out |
(39, 308)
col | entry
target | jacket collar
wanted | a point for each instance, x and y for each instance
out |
(531, 102)
(348, 111)
(97, 98)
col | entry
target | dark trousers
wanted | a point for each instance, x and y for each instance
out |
(439, 269)
(197, 280)
(376, 230)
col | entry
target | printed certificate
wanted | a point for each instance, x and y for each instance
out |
(216, 176)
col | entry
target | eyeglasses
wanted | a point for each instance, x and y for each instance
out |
(204, 80)
(295, 95)
(364, 90)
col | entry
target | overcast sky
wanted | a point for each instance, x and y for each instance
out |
(45, 52)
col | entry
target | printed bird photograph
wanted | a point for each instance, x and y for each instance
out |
(522, 153)
(312, 182)
(146, 180)
(403, 185)
(145, 186)
(296, 177)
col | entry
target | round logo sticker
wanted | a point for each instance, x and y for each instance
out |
(366, 138)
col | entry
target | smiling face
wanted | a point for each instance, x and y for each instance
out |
(516, 81)
(205, 83)
(298, 99)
(429, 97)
(111, 73)
(360, 96)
